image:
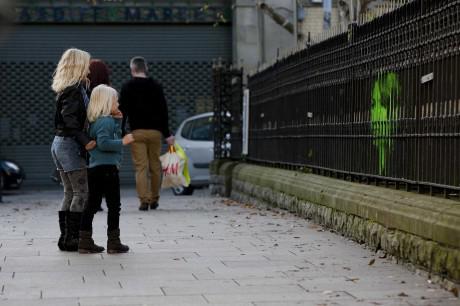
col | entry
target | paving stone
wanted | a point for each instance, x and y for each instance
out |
(40, 302)
(144, 300)
(279, 297)
(195, 251)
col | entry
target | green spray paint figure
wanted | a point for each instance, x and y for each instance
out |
(385, 95)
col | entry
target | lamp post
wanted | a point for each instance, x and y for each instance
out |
(352, 11)
(294, 21)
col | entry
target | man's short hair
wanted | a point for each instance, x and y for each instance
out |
(138, 64)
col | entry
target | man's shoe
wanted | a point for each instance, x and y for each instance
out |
(154, 205)
(144, 206)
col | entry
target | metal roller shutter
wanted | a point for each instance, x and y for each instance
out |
(180, 57)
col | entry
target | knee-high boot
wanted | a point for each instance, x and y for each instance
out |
(62, 227)
(72, 231)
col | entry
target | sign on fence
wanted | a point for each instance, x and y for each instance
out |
(327, 13)
(245, 121)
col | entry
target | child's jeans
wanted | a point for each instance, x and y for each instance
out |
(103, 181)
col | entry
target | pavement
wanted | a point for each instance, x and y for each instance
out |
(196, 250)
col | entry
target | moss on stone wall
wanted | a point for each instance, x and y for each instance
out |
(417, 229)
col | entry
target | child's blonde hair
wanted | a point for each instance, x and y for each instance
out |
(72, 69)
(101, 102)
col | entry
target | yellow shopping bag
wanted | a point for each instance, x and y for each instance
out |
(184, 163)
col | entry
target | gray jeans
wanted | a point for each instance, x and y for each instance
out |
(75, 190)
(66, 153)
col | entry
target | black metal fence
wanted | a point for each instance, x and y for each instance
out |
(227, 111)
(380, 103)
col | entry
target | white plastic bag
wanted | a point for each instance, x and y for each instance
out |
(172, 169)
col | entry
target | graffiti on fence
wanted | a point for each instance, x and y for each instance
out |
(385, 96)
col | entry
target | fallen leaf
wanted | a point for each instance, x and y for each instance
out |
(347, 268)
(352, 280)
(402, 294)
(371, 262)
(454, 291)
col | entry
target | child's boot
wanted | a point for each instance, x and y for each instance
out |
(114, 244)
(86, 244)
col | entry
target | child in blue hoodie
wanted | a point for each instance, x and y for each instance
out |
(104, 162)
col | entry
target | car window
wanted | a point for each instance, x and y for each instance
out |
(187, 129)
(199, 129)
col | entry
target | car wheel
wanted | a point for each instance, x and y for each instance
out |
(180, 191)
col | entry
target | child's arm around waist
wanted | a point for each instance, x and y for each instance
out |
(105, 131)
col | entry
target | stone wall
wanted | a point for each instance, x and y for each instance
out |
(421, 230)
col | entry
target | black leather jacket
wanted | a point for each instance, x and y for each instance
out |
(70, 116)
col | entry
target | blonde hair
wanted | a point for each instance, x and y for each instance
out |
(72, 69)
(101, 102)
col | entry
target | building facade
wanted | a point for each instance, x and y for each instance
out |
(180, 40)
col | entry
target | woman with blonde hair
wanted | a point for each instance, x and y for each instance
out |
(104, 162)
(71, 142)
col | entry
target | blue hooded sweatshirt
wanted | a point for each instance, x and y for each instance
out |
(107, 133)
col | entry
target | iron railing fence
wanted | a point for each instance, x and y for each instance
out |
(380, 102)
(227, 111)
(236, 136)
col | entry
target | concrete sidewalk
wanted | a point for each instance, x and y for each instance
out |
(197, 250)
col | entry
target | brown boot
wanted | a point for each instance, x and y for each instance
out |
(86, 244)
(114, 245)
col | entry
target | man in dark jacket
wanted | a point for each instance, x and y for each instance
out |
(143, 104)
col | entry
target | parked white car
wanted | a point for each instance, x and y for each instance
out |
(195, 135)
